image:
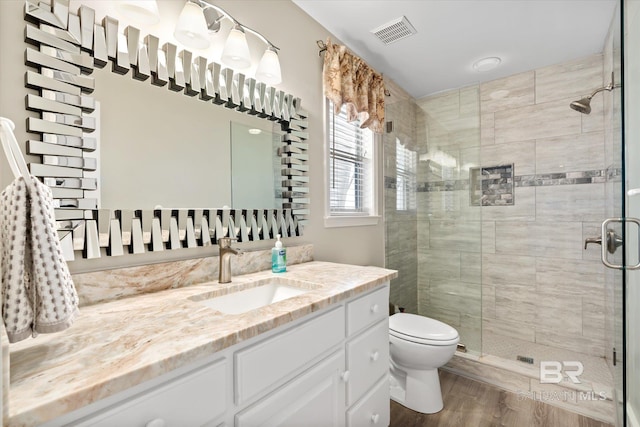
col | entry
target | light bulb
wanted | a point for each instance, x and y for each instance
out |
(236, 50)
(269, 68)
(191, 28)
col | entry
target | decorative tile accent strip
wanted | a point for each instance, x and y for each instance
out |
(566, 178)
(431, 186)
(536, 180)
(390, 183)
(563, 178)
(448, 185)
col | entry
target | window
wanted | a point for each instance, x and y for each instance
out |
(351, 171)
(406, 167)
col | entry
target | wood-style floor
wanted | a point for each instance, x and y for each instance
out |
(469, 403)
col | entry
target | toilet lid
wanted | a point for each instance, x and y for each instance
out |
(421, 327)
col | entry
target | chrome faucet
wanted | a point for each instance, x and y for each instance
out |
(224, 271)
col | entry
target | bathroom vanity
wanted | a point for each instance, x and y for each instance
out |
(319, 358)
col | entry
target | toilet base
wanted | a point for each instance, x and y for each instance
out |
(418, 390)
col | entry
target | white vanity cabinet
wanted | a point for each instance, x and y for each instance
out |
(349, 387)
(329, 368)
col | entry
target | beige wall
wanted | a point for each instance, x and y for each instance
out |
(296, 34)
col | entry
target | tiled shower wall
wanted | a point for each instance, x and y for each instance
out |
(539, 283)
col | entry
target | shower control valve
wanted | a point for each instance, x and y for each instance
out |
(614, 241)
(588, 240)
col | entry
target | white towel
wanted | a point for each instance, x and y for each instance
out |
(38, 295)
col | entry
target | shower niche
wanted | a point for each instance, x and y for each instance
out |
(491, 186)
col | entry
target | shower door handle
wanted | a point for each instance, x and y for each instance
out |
(613, 241)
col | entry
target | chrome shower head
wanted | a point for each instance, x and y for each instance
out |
(582, 106)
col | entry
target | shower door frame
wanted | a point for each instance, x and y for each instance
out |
(631, 208)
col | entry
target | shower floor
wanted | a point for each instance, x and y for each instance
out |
(498, 365)
(506, 351)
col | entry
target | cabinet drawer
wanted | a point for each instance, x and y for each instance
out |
(193, 399)
(315, 398)
(268, 362)
(367, 360)
(374, 409)
(367, 310)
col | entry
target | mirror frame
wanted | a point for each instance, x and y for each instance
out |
(69, 47)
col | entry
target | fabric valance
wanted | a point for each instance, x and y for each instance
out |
(350, 81)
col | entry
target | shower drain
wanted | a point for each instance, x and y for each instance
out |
(525, 359)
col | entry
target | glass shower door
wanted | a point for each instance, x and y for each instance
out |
(623, 196)
(614, 278)
(631, 299)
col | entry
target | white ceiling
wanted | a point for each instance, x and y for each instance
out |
(452, 34)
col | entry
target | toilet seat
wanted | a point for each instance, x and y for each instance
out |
(422, 330)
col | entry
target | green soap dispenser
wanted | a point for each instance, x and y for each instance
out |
(278, 257)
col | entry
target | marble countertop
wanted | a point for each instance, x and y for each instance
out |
(116, 345)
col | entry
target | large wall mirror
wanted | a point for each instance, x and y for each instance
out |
(169, 159)
(255, 166)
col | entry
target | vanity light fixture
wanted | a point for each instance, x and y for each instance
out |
(202, 19)
(142, 11)
(269, 68)
(191, 28)
(236, 50)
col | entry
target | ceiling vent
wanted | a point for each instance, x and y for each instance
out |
(395, 30)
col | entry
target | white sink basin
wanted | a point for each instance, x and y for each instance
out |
(267, 292)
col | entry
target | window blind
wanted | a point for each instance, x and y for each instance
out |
(350, 163)
(406, 170)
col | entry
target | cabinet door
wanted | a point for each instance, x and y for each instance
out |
(262, 366)
(367, 310)
(191, 400)
(313, 399)
(373, 409)
(367, 360)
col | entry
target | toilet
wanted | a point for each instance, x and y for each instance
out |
(418, 346)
